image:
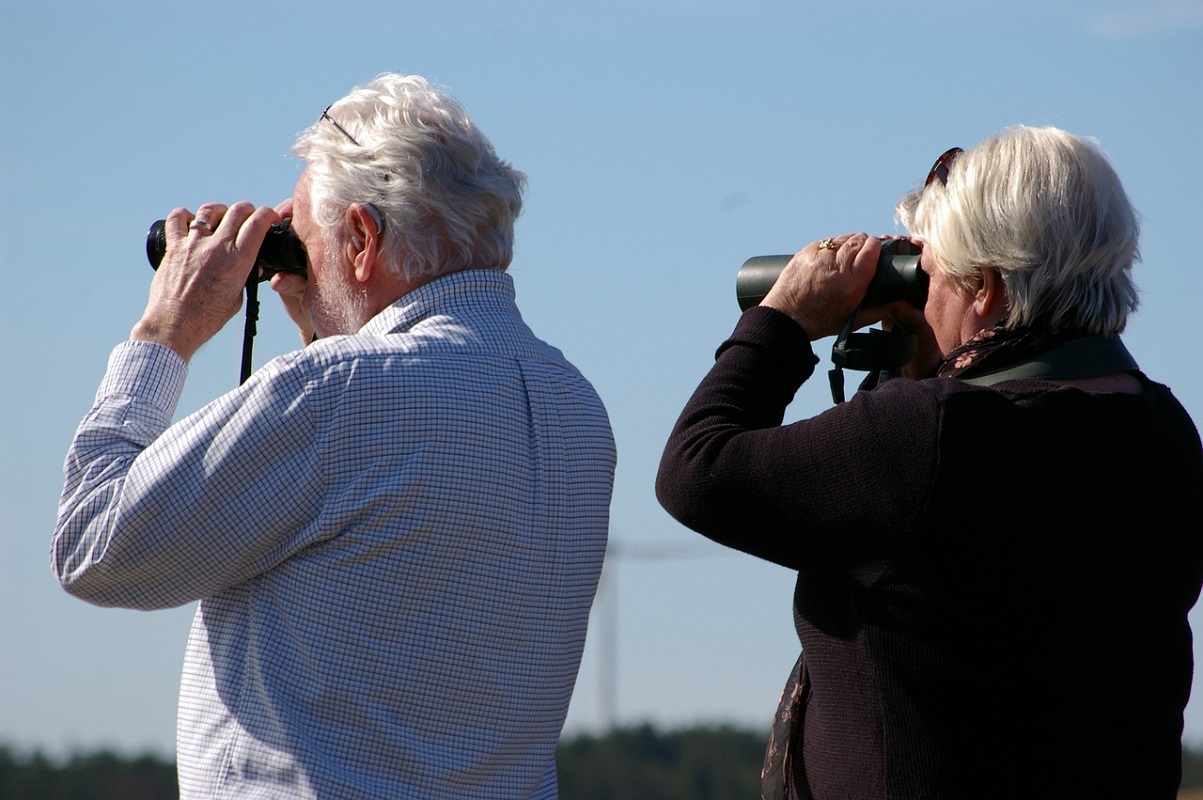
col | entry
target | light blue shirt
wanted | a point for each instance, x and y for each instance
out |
(395, 538)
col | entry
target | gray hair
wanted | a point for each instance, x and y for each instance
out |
(447, 201)
(1045, 209)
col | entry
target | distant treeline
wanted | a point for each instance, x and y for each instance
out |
(715, 763)
(99, 776)
(691, 764)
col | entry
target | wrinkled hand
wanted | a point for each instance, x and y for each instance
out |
(905, 317)
(198, 286)
(291, 288)
(824, 283)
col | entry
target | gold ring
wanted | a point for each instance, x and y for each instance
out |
(200, 225)
(828, 244)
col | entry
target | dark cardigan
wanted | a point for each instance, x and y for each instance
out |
(993, 583)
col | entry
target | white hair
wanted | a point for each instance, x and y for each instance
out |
(1045, 209)
(446, 200)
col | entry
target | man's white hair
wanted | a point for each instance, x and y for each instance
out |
(446, 200)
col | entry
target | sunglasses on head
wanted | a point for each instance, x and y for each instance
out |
(939, 170)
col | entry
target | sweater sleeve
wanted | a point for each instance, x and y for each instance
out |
(830, 493)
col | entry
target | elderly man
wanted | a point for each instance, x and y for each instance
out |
(395, 534)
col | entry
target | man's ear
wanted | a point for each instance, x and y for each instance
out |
(364, 226)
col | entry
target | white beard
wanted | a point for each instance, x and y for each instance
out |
(339, 307)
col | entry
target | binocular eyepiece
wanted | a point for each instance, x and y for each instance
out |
(898, 276)
(281, 250)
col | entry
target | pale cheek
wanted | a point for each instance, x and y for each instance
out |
(942, 339)
(316, 268)
(945, 307)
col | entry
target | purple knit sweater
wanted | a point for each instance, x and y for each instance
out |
(993, 583)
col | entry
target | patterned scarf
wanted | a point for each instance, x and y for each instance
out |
(997, 348)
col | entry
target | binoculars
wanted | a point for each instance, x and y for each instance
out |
(898, 276)
(281, 251)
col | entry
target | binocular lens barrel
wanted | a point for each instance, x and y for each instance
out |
(898, 277)
(281, 251)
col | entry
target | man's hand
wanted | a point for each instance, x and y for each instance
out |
(291, 288)
(824, 283)
(198, 286)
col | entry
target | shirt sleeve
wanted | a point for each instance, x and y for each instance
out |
(831, 493)
(154, 515)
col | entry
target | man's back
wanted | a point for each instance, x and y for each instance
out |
(406, 527)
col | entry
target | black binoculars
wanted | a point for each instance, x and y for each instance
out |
(281, 251)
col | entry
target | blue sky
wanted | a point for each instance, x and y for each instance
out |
(665, 141)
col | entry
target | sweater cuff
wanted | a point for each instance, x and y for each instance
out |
(777, 335)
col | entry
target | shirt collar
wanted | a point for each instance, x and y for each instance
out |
(466, 289)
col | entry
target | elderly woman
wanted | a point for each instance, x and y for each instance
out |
(996, 552)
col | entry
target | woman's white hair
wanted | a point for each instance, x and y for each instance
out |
(446, 200)
(1045, 209)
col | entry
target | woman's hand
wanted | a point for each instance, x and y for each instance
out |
(905, 318)
(823, 284)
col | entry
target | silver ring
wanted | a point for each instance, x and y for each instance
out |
(200, 225)
(828, 244)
